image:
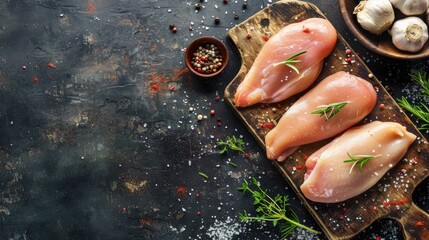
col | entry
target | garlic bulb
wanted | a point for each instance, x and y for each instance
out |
(409, 34)
(427, 16)
(411, 7)
(375, 16)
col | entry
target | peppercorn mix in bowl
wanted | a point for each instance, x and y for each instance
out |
(206, 56)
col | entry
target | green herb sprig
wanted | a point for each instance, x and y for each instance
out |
(271, 209)
(203, 175)
(231, 143)
(291, 61)
(360, 160)
(329, 110)
(420, 110)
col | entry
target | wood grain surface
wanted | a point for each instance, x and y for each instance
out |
(391, 197)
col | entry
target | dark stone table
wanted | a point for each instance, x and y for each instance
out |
(99, 136)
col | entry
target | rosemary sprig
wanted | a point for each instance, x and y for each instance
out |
(271, 209)
(291, 61)
(231, 143)
(330, 110)
(420, 110)
(360, 160)
(421, 78)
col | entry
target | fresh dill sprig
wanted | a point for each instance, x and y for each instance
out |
(420, 110)
(271, 209)
(231, 143)
(330, 110)
(360, 160)
(291, 61)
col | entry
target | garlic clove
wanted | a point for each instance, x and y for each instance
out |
(409, 34)
(376, 16)
(411, 7)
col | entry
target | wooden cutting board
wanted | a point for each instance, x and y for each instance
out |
(392, 196)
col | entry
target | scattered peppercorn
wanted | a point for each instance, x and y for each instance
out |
(225, 1)
(174, 30)
(248, 35)
(244, 6)
(348, 51)
(382, 106)
(51, 65)
(236, 16)
(171, 26)
(212, 112)
(197, 6)
(207, 59)
(217, 20)
(35, 79)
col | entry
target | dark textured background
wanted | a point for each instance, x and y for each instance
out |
(95, 145)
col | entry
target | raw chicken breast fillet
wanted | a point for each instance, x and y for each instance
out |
(267, 83)
(298, 126)
(329, 179)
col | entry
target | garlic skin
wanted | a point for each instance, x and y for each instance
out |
(376, 16)
(409, 34)
(427, 16)
(411, 7)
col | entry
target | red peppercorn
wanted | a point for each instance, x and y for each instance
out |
(349, 60)
(247, 155)
(248, 35)
(199, 213)
(217, 98)
(172, 88)
(420, 224)
(35, 79)
(174, 30)
(382, 106)
(348, 51)
(212, 112)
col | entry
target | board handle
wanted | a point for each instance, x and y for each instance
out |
(415, 223)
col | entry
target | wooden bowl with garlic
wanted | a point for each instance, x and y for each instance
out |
(392, 28)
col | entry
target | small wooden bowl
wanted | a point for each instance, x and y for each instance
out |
(381, 44)
(201, 41)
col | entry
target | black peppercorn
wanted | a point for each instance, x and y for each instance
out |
(171, 26)
(244, 5)
(236, 16)
(197, 6)
(217, 20)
